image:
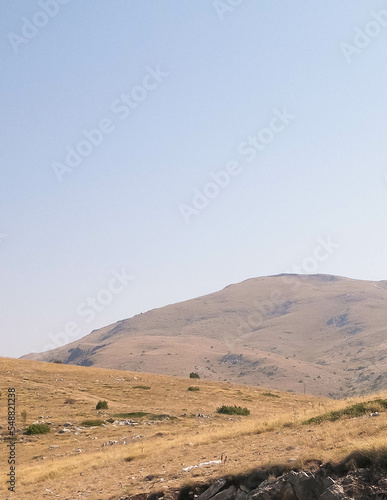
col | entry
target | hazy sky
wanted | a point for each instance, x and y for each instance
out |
(287, 99)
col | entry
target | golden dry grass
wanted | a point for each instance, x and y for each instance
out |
(273, 433)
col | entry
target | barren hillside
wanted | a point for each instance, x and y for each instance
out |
(319, 334)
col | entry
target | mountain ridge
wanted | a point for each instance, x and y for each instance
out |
(321, 334)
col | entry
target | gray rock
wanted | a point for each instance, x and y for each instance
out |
(328, 482)
(241, 495)
(288, 492)
(228, 494)
(334, 492)
(305, 485)
(212, 490)
(269, 490)
(244, 488)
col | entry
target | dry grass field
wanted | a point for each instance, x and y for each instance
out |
(171, 437)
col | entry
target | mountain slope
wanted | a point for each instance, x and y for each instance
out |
(156, 434)
(319, 334)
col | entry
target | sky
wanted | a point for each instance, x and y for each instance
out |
(153, 152)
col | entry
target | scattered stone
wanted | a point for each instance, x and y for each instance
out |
(203, 464)
(109, 443)
(125, 422)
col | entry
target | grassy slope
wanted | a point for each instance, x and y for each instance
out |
(274, 432)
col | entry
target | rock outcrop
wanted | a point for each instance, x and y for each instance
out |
(319, 482)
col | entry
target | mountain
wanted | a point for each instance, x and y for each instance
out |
(320, 334)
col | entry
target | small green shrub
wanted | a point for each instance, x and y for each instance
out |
(140, 414)
(353, 411)
(92, 423)
(102, 405)
(145, 387)
(58, 361)
(194, 375)
(233, 410)
(134, 414)
(194, 388)
(37, 429)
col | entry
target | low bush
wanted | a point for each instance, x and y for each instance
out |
(233, 410)
(37, 429)
(194, 375)
(133, 414)
(140, 414)
(194, 388)
(92, 423)
(69, 401)
(145, 387)
(353, 411)
(102, 405)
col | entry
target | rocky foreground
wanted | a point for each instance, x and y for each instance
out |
(356, 478)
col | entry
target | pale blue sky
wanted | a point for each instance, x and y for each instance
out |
(322, 176)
